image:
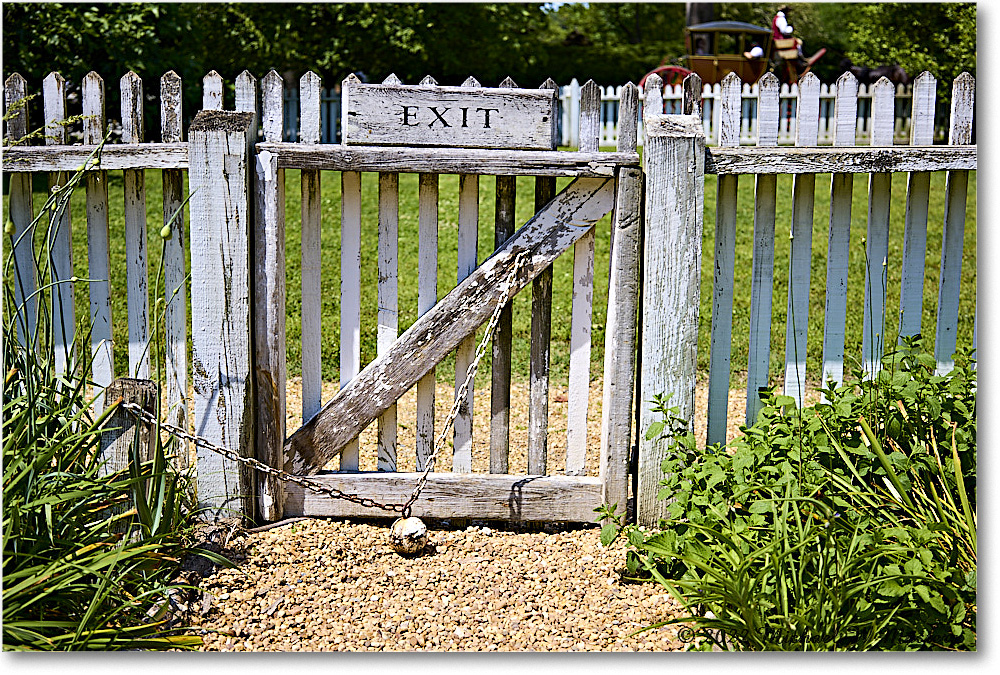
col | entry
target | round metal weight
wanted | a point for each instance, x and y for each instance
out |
(408, 536)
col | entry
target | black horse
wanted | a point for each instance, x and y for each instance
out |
(894, 73)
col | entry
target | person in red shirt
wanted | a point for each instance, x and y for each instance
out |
(780, 27)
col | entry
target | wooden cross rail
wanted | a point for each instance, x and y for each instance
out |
(448, 160)
(806, 160)
(718, 160)
(438, 331)
(117, 156)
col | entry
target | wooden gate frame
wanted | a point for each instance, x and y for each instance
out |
(221, 161)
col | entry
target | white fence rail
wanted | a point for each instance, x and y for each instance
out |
(569, 99)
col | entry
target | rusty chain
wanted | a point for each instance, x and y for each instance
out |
(314, 486)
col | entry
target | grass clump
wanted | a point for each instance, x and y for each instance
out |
(88, 554)
(848, 525)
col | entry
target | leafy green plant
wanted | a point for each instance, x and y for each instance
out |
(88, 557)
(840, 526)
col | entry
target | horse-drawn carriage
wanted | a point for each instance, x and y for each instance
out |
(717, 48)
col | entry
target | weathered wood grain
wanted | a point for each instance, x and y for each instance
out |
(621, 326)
(505, 202)
(724, 161)
(487, 496)
(272, 112)
(628, 118)
(450, 160)
(692, 93)
(119, 436)
(911, 293)
(174, 267)
(350, 295)
(221, 315)
(841, 190)
(312, 366)
(541, 332)
(98, 258)
(270, 365)
(468, 238)
(728, 128)
(211, 98)
(578, 390)
(762, 272)
(112, 157)
(388, 303)
(465, 117)
(61, 251)
(427, 289)
(247, 100)
(452, 320)
(800, 248)
(269, 292)
(877, 240)
(502, 339)
(620, 340)
(21, 213)
(675, 156)
(136, 269)
(960, 132)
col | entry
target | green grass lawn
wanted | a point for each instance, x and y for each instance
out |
(562, 281)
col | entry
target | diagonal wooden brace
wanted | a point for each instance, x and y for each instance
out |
(548, 234)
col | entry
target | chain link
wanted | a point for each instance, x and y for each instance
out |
(314, 486)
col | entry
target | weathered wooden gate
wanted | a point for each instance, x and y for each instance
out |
(428, 129)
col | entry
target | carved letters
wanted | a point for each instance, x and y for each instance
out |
(463, 117)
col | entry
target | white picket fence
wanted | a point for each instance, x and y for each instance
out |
(672, 249)
(569, 99)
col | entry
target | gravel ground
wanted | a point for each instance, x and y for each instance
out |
(322, 585)
(319, 584)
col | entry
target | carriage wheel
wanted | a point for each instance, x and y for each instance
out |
(672, 75)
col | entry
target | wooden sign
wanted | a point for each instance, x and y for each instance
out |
(459, 117)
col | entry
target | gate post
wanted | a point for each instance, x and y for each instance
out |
(674, 159)
(219, 175)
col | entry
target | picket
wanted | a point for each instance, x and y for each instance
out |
(427, 289)
(911, 294)
(578, 393)
(350, 295)
(174, 265)
(841, 190)
(800, 254)
(620, 327)
(388, 302)
(98, 257)
(877, 241)
(468, 238)
(762, 273)
(212, 86)
(541, 332)
(956, 192)
(312, 365)
(136, 275)
(506, 199)
(269, 298)
(21, 213)
(727, 125)
(61, 247)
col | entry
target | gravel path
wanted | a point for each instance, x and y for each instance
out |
(320, 585)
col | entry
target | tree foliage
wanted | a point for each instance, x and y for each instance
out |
(611, 43)
(936, 37)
